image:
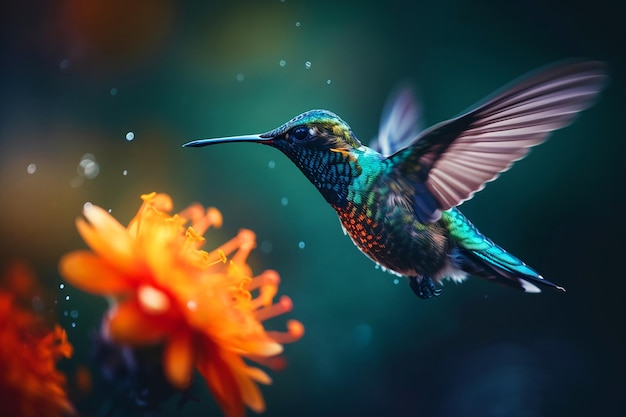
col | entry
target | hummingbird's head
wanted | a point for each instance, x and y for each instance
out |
(313, 130)
(319, 143)
(316, 129)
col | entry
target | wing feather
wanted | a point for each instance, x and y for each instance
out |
(399, 122)
(455, 159)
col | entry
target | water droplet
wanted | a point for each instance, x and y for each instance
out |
(88, 167)
(113, 91)
(67, 298)
(74, 314)
(396, 281)
(66, 313)
(301, 245)
(88, 156)
(307, 65)
(73, 324)
(87, 205)
(282, 62)
(284, 201)
(31, 168)
(130, 136)
(297, 24)
(109, 210)
(64, 63)
(240, 77)
(125, 172)
(328, 82)
(271, 164)
(61, 285)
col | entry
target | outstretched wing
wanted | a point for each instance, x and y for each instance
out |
(399, 122)
(451, 161)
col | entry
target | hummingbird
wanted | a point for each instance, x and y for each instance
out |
(397, 200)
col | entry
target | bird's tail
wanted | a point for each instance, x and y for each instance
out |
(478, 255)
(500, 266)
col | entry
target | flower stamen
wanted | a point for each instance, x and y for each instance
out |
(284, 305)
(247, 242)
(295, 331)
(201, 219)
(267, 283)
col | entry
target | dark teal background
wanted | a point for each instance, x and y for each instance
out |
(188, 70)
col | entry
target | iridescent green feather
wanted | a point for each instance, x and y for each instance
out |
(486, 252)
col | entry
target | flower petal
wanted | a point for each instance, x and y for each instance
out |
(250, 392)
(221, 382)
(259, 375)
(30, 383)
(178, 359)
(261, 346)
(128, 324)
(108, 238)
(91, 273)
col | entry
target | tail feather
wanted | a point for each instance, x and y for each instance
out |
(478, 255)
(505, 269)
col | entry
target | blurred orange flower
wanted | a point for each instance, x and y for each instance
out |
(166, 290)
(30, 384)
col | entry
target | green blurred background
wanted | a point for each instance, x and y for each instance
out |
(78, 76)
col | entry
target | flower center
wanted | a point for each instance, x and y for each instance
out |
(152, 300)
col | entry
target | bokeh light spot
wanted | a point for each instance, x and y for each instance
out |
(88, 167)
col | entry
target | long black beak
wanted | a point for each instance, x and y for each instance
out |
(244, 138)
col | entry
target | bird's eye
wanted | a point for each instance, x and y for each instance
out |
(300, 133)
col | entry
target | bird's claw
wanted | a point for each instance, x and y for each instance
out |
(424, 288)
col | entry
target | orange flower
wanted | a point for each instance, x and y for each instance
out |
(30, 385)
(165, 290)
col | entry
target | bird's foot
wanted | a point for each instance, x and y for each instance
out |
(424, 288)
